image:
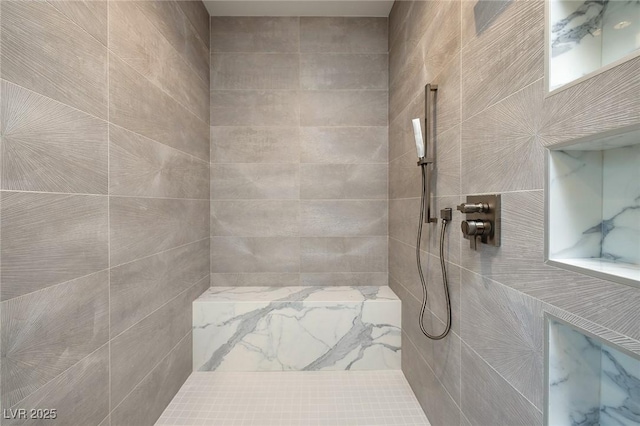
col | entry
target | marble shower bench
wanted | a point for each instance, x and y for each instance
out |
(296, 328)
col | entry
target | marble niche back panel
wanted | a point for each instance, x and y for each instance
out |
(590, 382)
(594, 208)
(587, 35)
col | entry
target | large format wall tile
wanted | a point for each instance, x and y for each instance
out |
(254, 181)
(411, 67)
(343, 35)
(340, 254)
(255, 254)
(254, 34)
(320, 112)
(343, 145)
(255, 279)
(197, 14)
(135, 40)
(343, 218)
(263, 71)
(505, 327)
(138, 105)
(140, 287)
(401, 136)
(64, 64)
(90, 15)
(49, 238)
(327, 279)
(343, 108)
(80, 394)
(578, 111)
(147, 401)
(46, 332)
(487, 58)
(405, 179)
(75, 72)
(175, 26)
(142, 167)
(254, 108)
(446, 171)
(255, 144)
(144, 226)
(501, 149)
(255, 218)
(514, 42)
(519, 264)
(351, 181)
(331, 71)
(434, 399)
(404, 269)
(442, 356)
(488, 399)
(136, 351)
(50, 147)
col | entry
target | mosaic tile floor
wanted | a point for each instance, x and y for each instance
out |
(300, 398)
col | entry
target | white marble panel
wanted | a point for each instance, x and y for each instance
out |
(296, 328)
(621, 207)
(590, 382)
(620, 389)
(575, 204)
(574, 377)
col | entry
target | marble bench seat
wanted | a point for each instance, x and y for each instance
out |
(296, 328)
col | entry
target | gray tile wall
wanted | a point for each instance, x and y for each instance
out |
(104, 115)
(299, 151)
(493, 122)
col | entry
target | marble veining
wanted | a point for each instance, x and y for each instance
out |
(584, 21)
(590, 383)
(587, 35)
(594, 212)
(296, 328)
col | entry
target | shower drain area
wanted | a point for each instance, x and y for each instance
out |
(295, 398)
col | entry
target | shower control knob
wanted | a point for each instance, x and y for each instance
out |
(476, 228)
(473, 207)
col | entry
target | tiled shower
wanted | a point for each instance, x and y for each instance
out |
(153, 155)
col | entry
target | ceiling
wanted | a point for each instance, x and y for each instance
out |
(299, 8)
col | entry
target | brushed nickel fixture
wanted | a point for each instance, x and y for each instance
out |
(426, 160)
(482, 221)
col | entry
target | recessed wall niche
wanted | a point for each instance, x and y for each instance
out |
(589, 381)
(593, 206)
(586, 36)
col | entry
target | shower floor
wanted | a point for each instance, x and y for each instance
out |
(296, 398)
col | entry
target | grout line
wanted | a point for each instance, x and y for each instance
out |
(184, 58)
(431, 370)
(109, 205)
(151, 371)
(194, 284)
(499, 100)
(80, 194)
(62, 372)
(302, 90)
(104, 120)
(108, 269)
(500, 375)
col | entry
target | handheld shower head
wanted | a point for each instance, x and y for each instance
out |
(417, 134)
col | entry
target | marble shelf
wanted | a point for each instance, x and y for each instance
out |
(589, 381)
(593, 206)
(296, 329)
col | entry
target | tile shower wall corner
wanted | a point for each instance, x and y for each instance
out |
(104, 179)
(493, 122)
(299, 151)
